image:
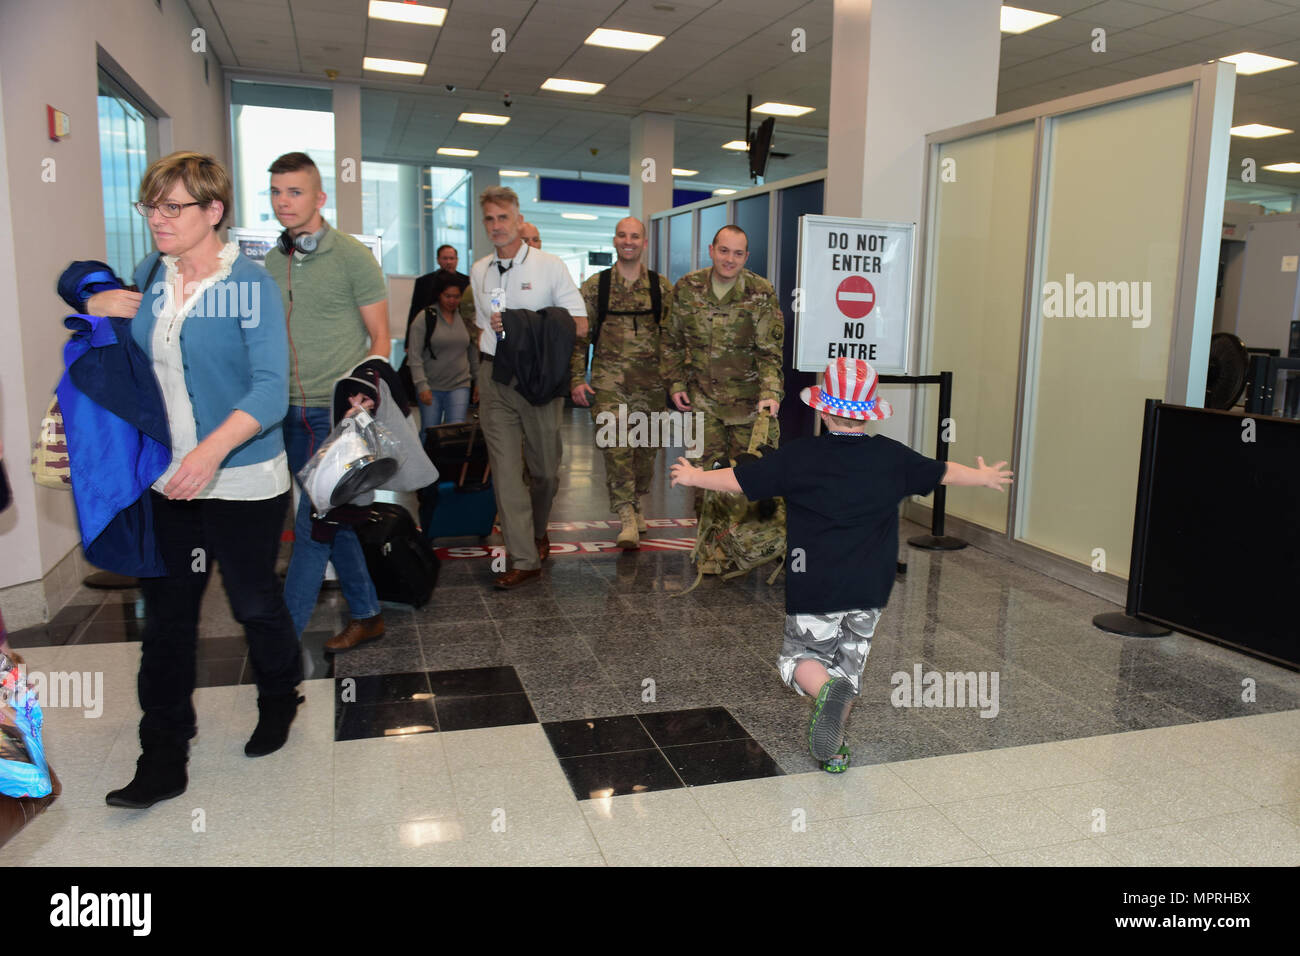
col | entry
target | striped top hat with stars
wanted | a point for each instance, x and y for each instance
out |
(848, 390)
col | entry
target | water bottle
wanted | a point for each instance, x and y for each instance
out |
(499, 305)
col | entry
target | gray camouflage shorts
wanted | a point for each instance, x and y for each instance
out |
(841, 641)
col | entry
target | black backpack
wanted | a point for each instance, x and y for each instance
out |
(602, 302)
(404, 371)
(400, 560)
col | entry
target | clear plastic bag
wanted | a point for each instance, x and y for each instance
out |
(358, 456)
(23, 770)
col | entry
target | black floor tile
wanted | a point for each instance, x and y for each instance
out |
(474, 682)
(361, 721)
(674, 727)
(618, 774)
(490, 710)
(111, 632)
(722, 761)
(383, 688)
(219, 648)
(218, 672)
(574, 738)
(121, 611)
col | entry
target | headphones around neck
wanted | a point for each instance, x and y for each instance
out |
(305, 242)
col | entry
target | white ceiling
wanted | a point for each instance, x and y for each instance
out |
(716, 52)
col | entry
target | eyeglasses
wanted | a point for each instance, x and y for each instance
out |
(170, 210)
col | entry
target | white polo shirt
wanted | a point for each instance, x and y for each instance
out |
(533, 280)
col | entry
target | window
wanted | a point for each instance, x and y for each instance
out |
(267, 121)
(127, 144)
(444, 214)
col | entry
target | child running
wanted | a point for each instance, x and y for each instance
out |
(842, 491)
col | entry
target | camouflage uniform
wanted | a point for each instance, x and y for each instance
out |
(624, 371)
(727, 356)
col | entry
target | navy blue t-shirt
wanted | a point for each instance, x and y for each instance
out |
(841, 496)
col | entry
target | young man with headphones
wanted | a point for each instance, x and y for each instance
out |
(335, 303)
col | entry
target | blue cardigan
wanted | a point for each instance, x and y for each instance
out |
(235, 351)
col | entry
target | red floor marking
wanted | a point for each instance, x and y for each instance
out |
(571, 548)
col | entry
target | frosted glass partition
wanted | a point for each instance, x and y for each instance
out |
(1114, 189)
(979, 246)
(712, 218)
(679, 245)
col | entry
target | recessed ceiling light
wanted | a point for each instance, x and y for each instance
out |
(407, 13)
(576, 215)
(624, 40)
(723, 192)
(487, 119)
(392, 66)
(456, 151)
(736, 144)
(686, 172)
(1259, 131)
(783, 109)
(1016, 20)
(557, 85)
(512, 172)
(1248, 63)
(1284, 168)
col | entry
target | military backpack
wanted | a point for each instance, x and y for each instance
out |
(735, 535)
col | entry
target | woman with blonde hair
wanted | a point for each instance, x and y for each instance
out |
(213, 325)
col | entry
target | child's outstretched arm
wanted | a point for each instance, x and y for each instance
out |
(721, 479)
(989, 476)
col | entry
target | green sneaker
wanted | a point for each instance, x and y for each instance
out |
(831, 710)
(839, 763)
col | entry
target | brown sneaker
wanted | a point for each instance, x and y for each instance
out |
(543, 547)
(357, 632)
(512, 579)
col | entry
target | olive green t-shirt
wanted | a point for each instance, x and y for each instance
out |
(327, 337)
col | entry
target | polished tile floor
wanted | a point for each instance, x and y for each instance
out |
(598, 717)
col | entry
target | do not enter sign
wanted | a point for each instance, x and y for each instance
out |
(855, 297)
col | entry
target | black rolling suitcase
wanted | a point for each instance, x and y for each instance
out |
(462, 503)
(400, 560)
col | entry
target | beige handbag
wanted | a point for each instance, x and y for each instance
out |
(50, 464)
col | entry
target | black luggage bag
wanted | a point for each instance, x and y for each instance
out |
(400, 560)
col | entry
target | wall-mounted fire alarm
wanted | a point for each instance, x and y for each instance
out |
(60, 126)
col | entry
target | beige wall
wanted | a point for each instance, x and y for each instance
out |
(48, 55)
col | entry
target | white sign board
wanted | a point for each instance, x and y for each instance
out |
(855, 288)
(256, 243)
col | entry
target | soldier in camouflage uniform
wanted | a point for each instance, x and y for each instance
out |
(624, 369)
(722, 350)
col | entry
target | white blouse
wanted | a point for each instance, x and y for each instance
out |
(255, 482)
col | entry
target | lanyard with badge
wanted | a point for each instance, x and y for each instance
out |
(498, 295)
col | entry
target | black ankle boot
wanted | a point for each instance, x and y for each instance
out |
(274, 715)
(159, 775)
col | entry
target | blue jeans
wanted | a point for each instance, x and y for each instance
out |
(454, 404)
(307, 565)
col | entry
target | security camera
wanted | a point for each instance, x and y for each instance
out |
(450, 87)
(506, 100)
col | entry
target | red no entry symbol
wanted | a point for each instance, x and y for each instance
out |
(855, 297)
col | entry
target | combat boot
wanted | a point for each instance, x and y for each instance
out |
(641, 526)
(628, 539)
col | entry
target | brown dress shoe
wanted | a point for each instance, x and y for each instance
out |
(357, 632)
(543, 547)
(512, 579)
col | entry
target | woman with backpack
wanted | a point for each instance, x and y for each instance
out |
(442, 357)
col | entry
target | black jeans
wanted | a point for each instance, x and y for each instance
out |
(244, 538)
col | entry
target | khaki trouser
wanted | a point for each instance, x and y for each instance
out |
(518, 434)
